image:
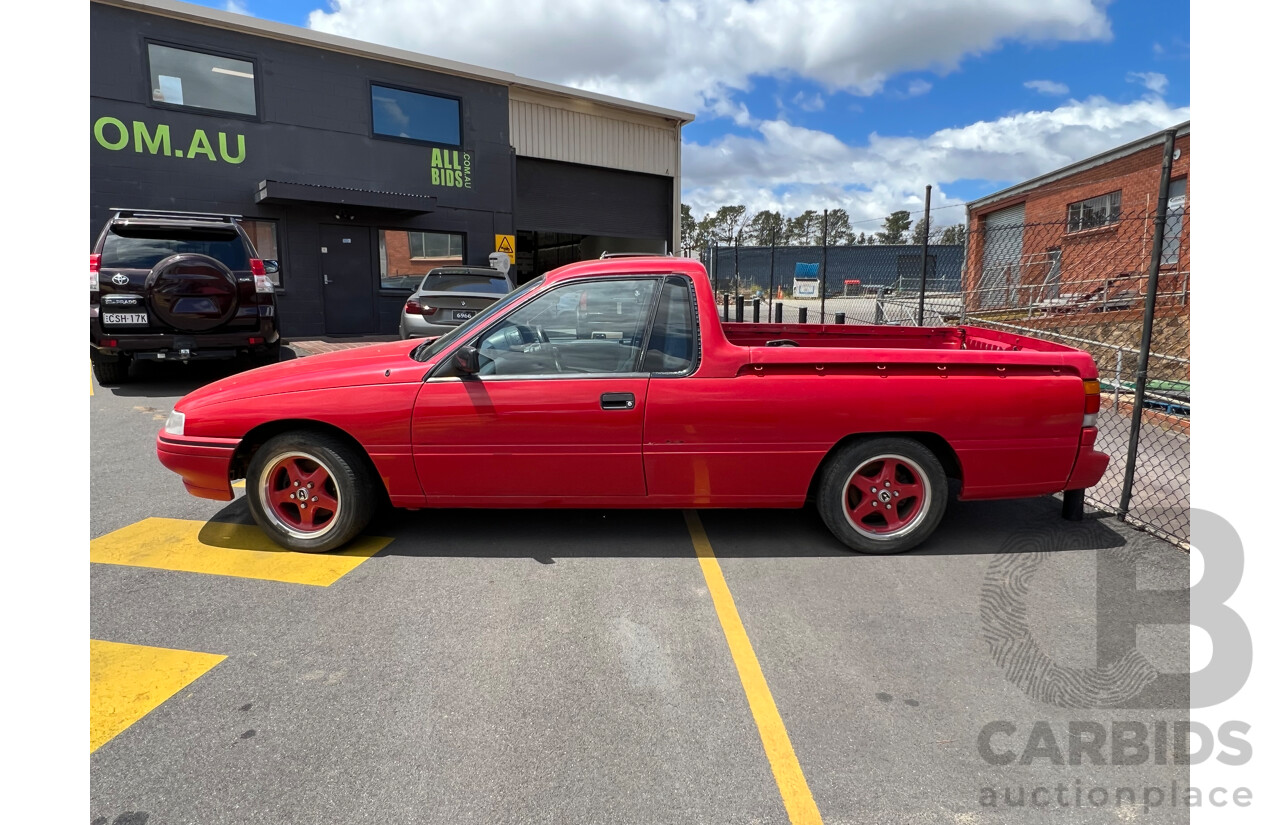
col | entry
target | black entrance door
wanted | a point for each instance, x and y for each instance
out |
(346, 262)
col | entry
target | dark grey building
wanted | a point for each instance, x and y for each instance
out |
(867, 267)
(360, 167)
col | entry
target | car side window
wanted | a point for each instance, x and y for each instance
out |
(671, 343)
(594, 327)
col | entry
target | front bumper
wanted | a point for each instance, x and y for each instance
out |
(203, 463)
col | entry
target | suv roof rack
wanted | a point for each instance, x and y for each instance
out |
(122, 213)
(604, 255)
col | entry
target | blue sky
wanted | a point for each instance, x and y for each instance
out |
(853, 104)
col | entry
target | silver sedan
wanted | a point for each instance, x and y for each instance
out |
(449, 296)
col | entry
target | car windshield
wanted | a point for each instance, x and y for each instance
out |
(457, 282)
(144, 248)
(429, 349)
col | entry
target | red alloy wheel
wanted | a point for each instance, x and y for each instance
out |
(299, 495)
(886, 496)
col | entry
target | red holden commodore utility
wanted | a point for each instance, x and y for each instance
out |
(177, 286)
(647, 401)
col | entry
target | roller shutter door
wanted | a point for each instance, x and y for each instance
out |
(589, 200)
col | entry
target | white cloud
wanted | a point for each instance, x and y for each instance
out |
(809, 103)
(686, 54)
(1153, 81)
(237, 7)
(790, 168)
(1048, 87)
(918, 87)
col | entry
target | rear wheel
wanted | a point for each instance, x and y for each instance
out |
(309, 492)
(883, 495)
(110, 369)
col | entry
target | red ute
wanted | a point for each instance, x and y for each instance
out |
(612, 383)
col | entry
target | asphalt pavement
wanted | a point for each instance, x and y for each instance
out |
(582, 667)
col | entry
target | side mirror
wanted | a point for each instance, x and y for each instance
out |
(467, 360)
(271, 267)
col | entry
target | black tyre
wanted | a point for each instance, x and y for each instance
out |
(883, 495)
(110, 369)
(309, 491)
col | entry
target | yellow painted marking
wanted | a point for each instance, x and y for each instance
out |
(226, 550)
(238, 483)
(91, 379)
(773, 734)
(126, 682)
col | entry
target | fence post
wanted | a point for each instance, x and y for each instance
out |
(1148, 320)
(777, 313)
(737, 309)
(879, 319)
(924, 254)
(726, 307)
(773, 248)
(804, 315)
(822, 282)
(839, 317)
(755, 310)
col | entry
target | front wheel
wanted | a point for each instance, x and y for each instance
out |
(309, 492)
(883, 495)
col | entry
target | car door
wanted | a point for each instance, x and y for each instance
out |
(556, 411)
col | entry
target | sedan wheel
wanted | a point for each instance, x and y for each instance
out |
(309, 491)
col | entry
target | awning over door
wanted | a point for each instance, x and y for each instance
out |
(275, 191)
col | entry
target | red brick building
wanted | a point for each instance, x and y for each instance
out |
(1079, 239)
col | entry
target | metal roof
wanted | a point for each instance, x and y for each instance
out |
(1138, 145)
(306, 37)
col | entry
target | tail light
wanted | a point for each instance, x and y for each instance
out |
(1092, 401)
(412, 307)
(94, 262)
(261, 283)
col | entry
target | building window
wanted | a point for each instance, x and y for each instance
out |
(1173, 222)
(195, 80)
(264, 238)
(406, 257)
(1095, 212)
(416, 116)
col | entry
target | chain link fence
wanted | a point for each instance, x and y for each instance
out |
(1080, 282)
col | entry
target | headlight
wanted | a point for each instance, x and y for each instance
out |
(174, 425)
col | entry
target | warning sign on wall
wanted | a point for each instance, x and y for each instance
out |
(505, 243)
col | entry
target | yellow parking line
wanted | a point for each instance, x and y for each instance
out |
(796, 796)
(126, 682)
(239, 482)
(225, 550)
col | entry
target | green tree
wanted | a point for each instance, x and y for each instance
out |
(689, 246)
(765, 228)
(895, 228)
(805, 229)
(839, 232)
(918, 234)
(954, 234)
(726, 225)
(862, 239)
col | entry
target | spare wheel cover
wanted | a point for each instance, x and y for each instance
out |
(192, 293)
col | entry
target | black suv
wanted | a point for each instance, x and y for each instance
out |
(177, 286)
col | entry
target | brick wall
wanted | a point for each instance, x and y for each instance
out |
(1117, 251)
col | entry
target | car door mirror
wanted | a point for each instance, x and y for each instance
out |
(271, 267)
(466, 360)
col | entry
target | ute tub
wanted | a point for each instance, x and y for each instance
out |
(867, 336)
(203, 463)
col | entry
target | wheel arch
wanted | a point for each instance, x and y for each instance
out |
(255, 438)
(935, 443)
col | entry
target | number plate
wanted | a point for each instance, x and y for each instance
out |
(463, 314)
(124, 318)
